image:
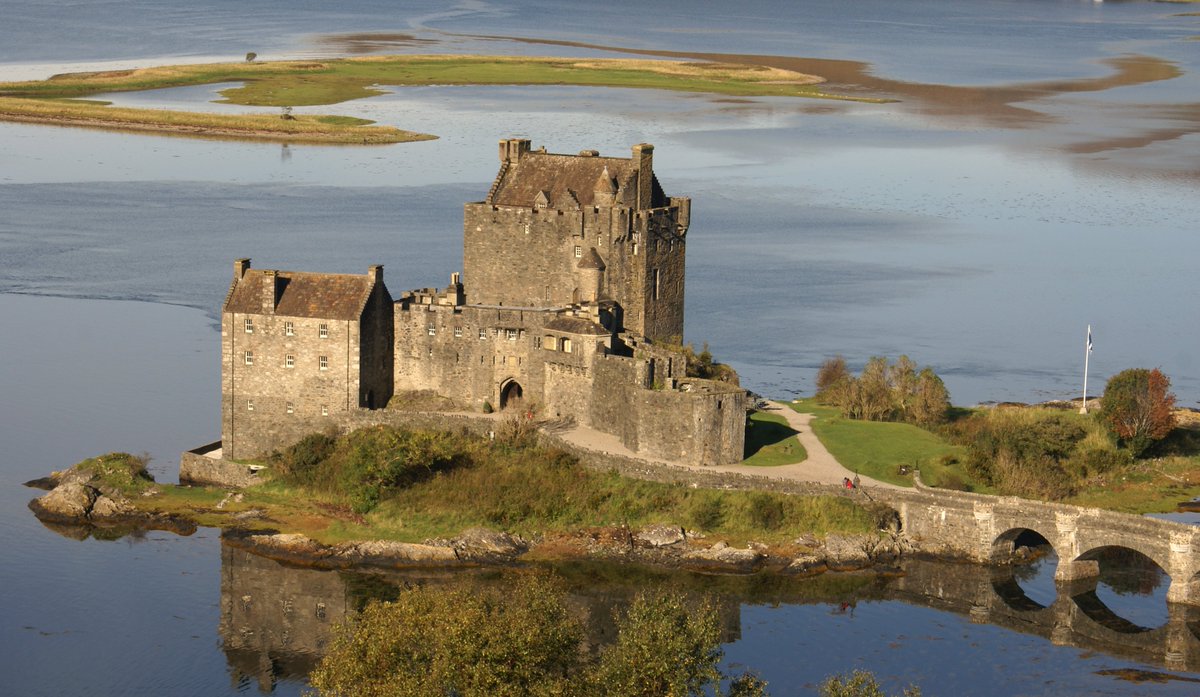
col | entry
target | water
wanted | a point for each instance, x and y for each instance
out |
(978, 240)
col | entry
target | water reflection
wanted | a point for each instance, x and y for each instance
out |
(277, 620)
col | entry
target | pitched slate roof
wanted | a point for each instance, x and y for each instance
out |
(557, 174)
(317, 295)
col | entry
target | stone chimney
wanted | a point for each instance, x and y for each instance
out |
(605, 191)
(511, 149)
(270, 289)
(375, 273)
(240, 267)
(643, 158)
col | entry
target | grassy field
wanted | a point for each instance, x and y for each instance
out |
(518, 488)
(771, 442)
(308, 83)
(877, 449)
(307, 129)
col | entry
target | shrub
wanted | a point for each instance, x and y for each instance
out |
(831, 372)
(765, 510)
(706, 510)
(1021, 451)
(302, 457)
(859, 684)
(1138, 408)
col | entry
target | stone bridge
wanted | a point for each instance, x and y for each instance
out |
(985, 528)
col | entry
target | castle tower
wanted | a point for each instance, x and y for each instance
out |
(531, 242)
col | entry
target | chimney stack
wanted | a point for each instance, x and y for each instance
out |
(269, 291)
(643, 158)
(240, 267)
(375, 273)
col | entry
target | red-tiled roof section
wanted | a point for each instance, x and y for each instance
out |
(318, 295)
(556, 174)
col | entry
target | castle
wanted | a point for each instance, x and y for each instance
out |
(570, 304)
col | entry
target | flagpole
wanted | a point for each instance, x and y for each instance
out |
(1087, 353)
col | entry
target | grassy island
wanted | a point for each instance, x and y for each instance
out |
(60, 99)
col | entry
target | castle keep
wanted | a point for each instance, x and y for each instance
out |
(570, 304)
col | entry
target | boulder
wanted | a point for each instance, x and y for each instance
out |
(848, 551)
(386, 553)
(476, 542)
(660, 535)
(69, 502)
(107, 507)
(723, 557)
(806, 564)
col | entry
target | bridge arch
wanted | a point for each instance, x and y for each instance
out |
(1009, 541)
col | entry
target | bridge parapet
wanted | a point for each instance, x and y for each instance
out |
(984, 528)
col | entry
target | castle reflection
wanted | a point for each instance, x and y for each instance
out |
(277, 620)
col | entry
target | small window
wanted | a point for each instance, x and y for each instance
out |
(323, 331)
(249, 405)
(458, 332)
(655, 281)
(510, 334)
(521, 333)
(537, 342)
(289, 329)
(565, 345)
(249, 358)
(324, 410)
(291, 408)
(482, 333)
(635, 249)
(431, 330)
(289, 361)
(324, 362)
(578, 251)
(549, 343)
(248, 324)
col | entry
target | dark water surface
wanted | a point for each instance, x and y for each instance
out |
(982, 248)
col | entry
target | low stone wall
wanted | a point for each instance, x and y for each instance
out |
(198, 467)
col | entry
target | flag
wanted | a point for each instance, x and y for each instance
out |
(1089, 344)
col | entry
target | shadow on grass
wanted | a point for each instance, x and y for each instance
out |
(770, 441)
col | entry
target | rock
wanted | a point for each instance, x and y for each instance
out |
(660, 535)
(722, 556)
(483, 542)
(807, 540)
(107, 507)
(848, 551)
(806, 564)
(69, 502)
(719, 546)
(44, 483)
(385, 553)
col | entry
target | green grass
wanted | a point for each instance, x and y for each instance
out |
(877, 449)
(770, 442)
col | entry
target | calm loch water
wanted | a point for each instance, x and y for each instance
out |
(978, 245)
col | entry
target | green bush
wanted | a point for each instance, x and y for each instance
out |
(766, 511)
(301, 458)
(706, 510)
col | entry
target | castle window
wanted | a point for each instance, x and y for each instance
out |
(249, 357)
(458, 332)
(431, 329)
(289, 329)
(323, 361)
(291, 408)
(249, 405)
(482, 333)
(510, 334)
(537, 342)
(431, 352)
(718, 405)
(549, 343)
(323, 331)
(564, 345)
(324, 410)
(655, 279)
(289, 361)
(521, 333)
(578, 251)
(635, 249)
(248, 323)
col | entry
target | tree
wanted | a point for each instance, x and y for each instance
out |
(831, 372)
(902, 377)
(860, 684)
(875, 392)
(521, 639)
(1137, 407)
(251, 56)
(930, 400)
